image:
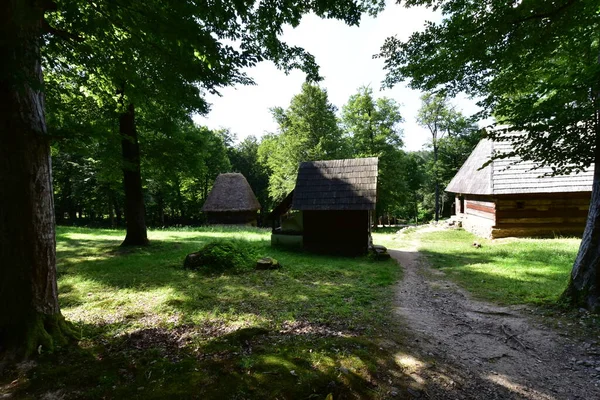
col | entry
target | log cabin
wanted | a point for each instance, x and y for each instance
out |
(514, 198)
(331, 208)
(231, 201)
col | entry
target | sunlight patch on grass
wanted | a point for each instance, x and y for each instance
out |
(151, 329)
(510, 271)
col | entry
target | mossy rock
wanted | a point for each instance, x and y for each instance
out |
(222, 255)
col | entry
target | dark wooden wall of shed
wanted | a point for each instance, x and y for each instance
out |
(232, 217)
(336, 232)
(540, 215)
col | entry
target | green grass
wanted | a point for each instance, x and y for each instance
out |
(150, 329)
(506, 271)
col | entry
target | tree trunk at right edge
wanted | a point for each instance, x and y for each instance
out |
(29, 313)
(584, 285)
(135, 210)
(437, 183)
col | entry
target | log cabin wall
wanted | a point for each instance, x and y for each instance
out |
(479, 215)
(541, 215)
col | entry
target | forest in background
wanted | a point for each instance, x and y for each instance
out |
(179, 159)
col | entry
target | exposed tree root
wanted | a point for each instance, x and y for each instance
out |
(42, 333)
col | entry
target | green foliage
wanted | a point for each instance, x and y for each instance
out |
(160, 58)
(372, 124)
(453, 138)
(244, 159)
(534, 64)
(308, 131)
(179, 163)
(227, 255)
(372, 127)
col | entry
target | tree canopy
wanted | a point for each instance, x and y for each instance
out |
(372, 126)
(308, 130)
(534, 64)
(121, 54)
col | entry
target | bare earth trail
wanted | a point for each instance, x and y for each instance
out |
(469, 349)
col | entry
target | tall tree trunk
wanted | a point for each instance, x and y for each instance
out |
(135, 211)
(160, 203)
(437, 183)
(584, 285)
(29, 312)
(117, 210)
(111, 214)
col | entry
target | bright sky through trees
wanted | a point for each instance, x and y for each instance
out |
(345, 55)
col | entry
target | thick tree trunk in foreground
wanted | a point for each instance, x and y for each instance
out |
(29, 312)
(584, 285)
(135, 211)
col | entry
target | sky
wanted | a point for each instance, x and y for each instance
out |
(345, 56)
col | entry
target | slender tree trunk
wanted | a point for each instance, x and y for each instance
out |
(29, 312)
(118, 213)
(416, 210)
(180, 205)
(135, 211)
(111, 214)
(437, 183)
(160, 203)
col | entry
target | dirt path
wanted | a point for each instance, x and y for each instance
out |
(468, 349)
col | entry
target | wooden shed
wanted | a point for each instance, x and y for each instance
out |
(336, 199)
(510, 198)
(231, 201)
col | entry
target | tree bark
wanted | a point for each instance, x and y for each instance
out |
(111, 214)
(584, 285)
(117, 211)
(437, 182)
(160, 203)
(29, 313)
(135, 210)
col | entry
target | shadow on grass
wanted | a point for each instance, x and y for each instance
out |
(174, 364)
(312, 352)
(509, 277)
(186, 362)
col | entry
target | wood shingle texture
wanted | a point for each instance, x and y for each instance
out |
(512, 175)
(231, 192)
(349, 184)
(512, 197)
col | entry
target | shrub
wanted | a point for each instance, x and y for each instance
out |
(223, 255)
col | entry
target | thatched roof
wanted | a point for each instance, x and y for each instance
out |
(512, 175)
(336, 185)
(231, 192)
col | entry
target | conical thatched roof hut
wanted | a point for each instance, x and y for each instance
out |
(231, 201)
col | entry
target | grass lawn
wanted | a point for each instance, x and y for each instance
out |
(150, 329)
(506, 271)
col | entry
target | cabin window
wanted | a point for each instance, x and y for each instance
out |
(520, 205)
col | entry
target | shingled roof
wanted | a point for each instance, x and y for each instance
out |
(511, 175)
(336, 185)
(231, 192)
